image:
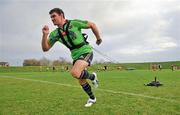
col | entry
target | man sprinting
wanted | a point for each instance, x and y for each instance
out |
(69, 33)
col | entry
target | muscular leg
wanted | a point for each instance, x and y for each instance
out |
(87, 88)
(78, 67)
(77, 71)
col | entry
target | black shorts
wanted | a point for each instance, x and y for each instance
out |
(86, 57)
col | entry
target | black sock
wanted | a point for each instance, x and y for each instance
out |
(86, 75)
(87, 89)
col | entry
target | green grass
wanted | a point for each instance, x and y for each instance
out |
(138, 66)
(119, 93)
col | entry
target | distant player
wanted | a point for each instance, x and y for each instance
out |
(69, 34)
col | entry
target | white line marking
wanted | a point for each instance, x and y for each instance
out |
(106, 90)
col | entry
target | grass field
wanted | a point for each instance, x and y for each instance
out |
(119, 93)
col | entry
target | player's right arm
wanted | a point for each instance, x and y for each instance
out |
(45, 43)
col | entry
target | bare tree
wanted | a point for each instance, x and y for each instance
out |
(31, 62)
(45, 62)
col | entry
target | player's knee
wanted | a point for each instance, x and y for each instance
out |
(75, 73)
(82, 82)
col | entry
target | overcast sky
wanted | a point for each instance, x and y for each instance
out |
(132, 30)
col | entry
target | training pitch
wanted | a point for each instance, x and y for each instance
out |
(119, 93)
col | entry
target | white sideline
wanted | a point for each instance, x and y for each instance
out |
(106, 90)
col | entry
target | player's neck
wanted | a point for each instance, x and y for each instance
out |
(62, 23)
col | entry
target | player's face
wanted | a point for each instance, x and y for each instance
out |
(56, 18)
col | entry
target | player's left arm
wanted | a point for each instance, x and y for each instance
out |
(95, 30)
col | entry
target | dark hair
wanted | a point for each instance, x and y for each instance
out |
(57, 10)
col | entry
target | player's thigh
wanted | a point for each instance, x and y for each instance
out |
(78, 67)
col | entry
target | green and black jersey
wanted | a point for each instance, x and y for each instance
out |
(75, 34)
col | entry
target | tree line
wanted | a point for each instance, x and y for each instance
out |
(45, 62)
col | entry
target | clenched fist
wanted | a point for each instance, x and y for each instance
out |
(98, 42)
(45, 30)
